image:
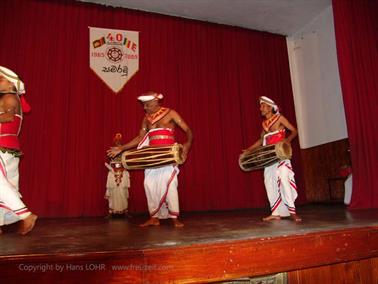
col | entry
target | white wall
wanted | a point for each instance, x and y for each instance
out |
(314, 71)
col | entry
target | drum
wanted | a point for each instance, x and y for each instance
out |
(152, 157)
(265, 156)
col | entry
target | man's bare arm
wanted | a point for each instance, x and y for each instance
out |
(189, 134)
(255, 145)
(114, 151)
(289, 126)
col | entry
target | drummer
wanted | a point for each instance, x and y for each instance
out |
(279, 177)
(160, 184)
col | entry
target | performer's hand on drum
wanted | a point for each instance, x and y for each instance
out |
(252, 148)
(185, 151)
(248, 150)
(287, 141)
(114, 151)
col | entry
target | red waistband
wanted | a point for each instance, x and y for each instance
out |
(161, 137)
(10, 142)
(11, 127)
(164, 131)
(162, 142)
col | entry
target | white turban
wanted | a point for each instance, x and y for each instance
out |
(13, 78)
(146, 98)
(269, 102)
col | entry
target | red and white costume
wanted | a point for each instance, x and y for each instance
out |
(279, 177)
(12, 209)
(160, 184)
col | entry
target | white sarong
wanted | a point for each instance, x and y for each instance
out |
(281, 188)
(160, 186)
(12, 209)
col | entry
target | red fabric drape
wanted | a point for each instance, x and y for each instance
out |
(356, 28)
(211, 74)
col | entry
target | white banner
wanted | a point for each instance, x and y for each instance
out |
(114, 55)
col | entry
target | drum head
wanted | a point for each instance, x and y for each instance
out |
(177, 150)
(283, 150)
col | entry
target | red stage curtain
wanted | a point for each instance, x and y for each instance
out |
(356, 28)
(211, 74)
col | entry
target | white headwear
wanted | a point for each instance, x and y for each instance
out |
(150, 97)
(13, 78)
(269, 102)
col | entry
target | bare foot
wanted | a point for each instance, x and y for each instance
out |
(151, 222)
(177, 223)
(295, 218)
(272, 218)
(27, 224)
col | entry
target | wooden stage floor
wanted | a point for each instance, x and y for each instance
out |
(213, 246)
